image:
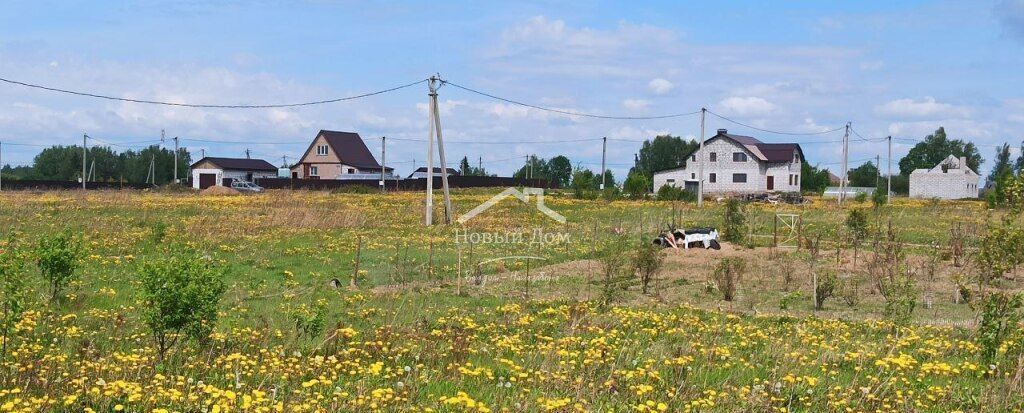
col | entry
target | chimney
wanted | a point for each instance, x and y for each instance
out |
(723, 131)
(963, 162)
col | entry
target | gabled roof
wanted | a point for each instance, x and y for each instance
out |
(238, 164)
(952, 165)
(766, 152)
(349, 148)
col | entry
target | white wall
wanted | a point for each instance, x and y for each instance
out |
(953, 185)
(724, 168)
(197, 171)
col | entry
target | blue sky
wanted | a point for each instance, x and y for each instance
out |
(892, 68)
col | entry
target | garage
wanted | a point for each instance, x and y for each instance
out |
(212, 171)
(207, 180)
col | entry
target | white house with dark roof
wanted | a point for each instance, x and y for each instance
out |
(338, 155)
(212, 171)
(738, 164)
(950, 179)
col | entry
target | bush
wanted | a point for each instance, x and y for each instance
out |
(610, 193)
(826, 287)
(879, 198)
(58, 258)
(13, 285)
(735, 221)
(636, 185)
(727, 276)
(647, 260)
(614, 263)
(861, 197)
(857, 223)
(674, 193)
(900, 299)
(1000, 318)
(180, 292)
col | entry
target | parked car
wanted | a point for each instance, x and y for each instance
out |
(243, 186)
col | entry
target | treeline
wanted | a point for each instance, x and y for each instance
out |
(64, 163)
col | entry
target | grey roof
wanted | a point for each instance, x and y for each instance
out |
(238, 164)
(768, 152)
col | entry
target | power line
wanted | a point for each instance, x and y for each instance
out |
(196, 105)
(566, 112)
(774, 131)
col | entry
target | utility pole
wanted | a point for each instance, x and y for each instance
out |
(84, 137)
(529, 162)
(842, 179)
(435, 126)
(92, 170)
(383, 141)
(480, 165)
(203, 152)
(448, 211)
(878, 167)
(247, 155)
(604, 152)
(700, 150)
(175, 159)
(888, 185)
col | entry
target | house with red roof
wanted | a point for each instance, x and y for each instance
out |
(338, 155)
(738, 164)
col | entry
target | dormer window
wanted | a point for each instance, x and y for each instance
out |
(321, 150)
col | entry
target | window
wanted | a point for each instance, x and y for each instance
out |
(670, 182)
(712, 178)
(797, 180)
(351, 171)
(313, 171)
(693, 157)
(790, 179)
(739, 178)
(713, 157)
(739, 157)
(321, 150)
(693, 175)
(796, 156)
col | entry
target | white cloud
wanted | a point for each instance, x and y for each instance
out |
(925, 108)
(746, 106)
(635, 105)
(660, 86)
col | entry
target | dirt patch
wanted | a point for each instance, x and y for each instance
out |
(220, 190)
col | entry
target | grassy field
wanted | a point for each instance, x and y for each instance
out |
(412, 335)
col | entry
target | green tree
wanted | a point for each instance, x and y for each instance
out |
(813, 179)
(582, 183)
(734, 221)
(14, 286)
(1019, 165)
(1003, 165)
(58, 257)
(535, 168)
(663, 152)
(865, 175)
(464, 167)
(636, 185)
(560, 171)
(181, 292)
(934, 149)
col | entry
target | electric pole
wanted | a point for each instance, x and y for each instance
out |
(888, 185)
(84, 137)
(700, 150)
(480, 165)
(843, 177)
(435, 126)
(247, 154)
(383, 141)
(175, 159)
(203, 152)
(878, 167)
(604, 152)
(529, 163)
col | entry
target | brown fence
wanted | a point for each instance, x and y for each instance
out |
(38, 184)
(401, 185)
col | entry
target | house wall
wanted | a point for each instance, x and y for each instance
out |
(198, 170)
(956, 185)
(724, 167)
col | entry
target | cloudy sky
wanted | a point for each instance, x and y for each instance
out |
(900, 68)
